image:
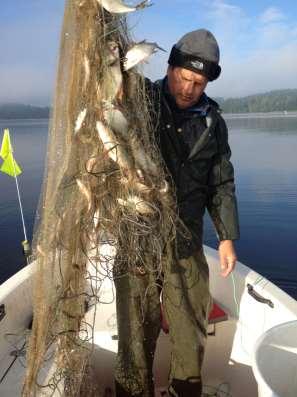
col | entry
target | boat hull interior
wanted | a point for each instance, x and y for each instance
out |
(253, 305)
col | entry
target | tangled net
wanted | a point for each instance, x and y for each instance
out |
(104, 184)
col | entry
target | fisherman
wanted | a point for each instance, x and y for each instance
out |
(193, 141)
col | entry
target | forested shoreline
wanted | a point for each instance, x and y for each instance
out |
(274, 101)
(20, 111)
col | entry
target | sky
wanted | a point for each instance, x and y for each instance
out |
(257, 39)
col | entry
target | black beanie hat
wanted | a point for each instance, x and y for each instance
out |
(199, 52)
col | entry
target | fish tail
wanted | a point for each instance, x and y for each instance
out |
(143, 4)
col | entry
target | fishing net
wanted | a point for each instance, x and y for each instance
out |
(104, 185)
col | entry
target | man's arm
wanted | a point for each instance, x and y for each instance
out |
(222, 204)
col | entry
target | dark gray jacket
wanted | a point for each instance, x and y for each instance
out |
(196, 151)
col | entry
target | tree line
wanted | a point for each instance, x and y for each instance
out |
(273, 101)
(19, 111)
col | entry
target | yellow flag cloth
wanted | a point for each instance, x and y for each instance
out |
(6, 147)
(9, 165)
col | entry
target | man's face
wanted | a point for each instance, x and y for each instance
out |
(185, 86)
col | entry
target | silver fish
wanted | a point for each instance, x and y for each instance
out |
(96, 218)
(113, 82)
(87, 71)
(85, 191)
(115, 118)
(118, 7)
(113, 79)
(114, 150)
(142, 159)
(139, 53)
(165, 188)
(80, 119)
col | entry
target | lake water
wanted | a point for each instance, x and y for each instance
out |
(264, 151)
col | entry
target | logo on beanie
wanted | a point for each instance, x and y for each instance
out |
(197, 65)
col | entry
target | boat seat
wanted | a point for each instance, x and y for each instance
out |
(217, 314)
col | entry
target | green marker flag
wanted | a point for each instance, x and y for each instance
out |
(9, 166)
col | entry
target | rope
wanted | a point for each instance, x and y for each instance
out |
(234, 295)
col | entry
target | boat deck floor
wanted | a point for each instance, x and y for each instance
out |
(220, 374)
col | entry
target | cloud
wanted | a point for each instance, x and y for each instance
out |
(262, 58)
(257, 55)
(258, 52)
(272, 14)
(230, 24)
(261, 71)
(221, 12)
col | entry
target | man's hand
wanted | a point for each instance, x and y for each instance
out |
(228, 257)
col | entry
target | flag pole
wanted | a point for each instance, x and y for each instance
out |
(25, 243)
(21, 207)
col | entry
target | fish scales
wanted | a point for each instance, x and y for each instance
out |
(139, 53)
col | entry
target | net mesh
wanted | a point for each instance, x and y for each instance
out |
(104, 184)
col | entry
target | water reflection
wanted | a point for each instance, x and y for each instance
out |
(264, 156)
(278, 123)
(29, 139)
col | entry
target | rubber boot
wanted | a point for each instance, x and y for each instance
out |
(121, 392)
(185, 388)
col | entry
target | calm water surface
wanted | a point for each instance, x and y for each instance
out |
(265, 160)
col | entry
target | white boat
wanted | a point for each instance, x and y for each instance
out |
(251, 353)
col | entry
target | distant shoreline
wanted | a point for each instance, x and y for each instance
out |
(24, 118)
(226, 115)
(275, 114)
(277, 101)
(289, 114)
(16, 111)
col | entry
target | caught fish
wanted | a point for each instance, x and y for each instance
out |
(80, 119)
(165, 188)
(86, 192)
(96, 218)
(142, 159)
(136, 204)
(118, 7)
(139, 53)
(115, 118)
(40, 250)
(112, 52)
(135, 185)
(113, 79)
(87, 71)
(142, 188)
(91, 164)
(140, 173)
(114, 150)
(113, 83)
(82, 3)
